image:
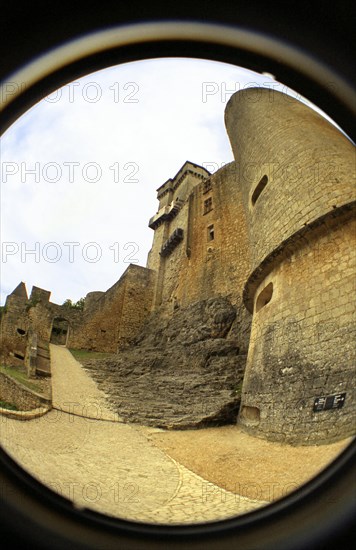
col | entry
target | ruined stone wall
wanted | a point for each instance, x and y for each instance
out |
(13, 331)
(39, 295)
(110, 320)
(297, 176)
(35, 315)
(41, 317)
(22, 314)
(117, 315)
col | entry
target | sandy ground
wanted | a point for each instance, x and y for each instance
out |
(83, 451)
(245, 465)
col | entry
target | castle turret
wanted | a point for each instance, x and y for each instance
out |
(296, 171)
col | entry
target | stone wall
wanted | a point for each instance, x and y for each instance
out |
(118, 314)
(296, 172)
(15, 393)
(14, 328)
(41, 317)
(91, 300)
(309, 164)
(137, 303)
(213, 257)
(219, 266)
(302, 343)
(35, 315)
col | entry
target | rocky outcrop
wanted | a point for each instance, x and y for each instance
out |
(183, 372)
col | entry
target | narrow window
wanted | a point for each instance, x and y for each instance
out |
(19, 356)
(210, 232)
(206, 186)
(208, 205)
(259, 188)
(264, 297)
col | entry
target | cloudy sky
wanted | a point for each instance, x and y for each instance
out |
(81, 168)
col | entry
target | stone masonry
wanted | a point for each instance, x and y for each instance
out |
(248, 283)
(297, 175)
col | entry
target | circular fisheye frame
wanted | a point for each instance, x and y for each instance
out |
(319, 514)
(255, 51)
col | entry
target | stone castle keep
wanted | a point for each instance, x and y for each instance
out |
(245, 309)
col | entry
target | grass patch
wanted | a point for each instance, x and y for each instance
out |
(21, 377)
(9, 406)
(83, 354)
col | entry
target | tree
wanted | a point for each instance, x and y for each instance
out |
(74, 305)
(80, 304)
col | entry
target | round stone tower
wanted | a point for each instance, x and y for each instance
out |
(296, 171)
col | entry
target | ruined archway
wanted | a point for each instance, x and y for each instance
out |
(60, 331)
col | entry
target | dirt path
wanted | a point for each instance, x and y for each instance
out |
(73, 390)
(84, 452)
(102, 464)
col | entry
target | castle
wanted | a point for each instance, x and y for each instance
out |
(266, 247)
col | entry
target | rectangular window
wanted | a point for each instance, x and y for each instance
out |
(208, 205)
(210, 232)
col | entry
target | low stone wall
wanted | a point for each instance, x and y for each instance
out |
(15, 393)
